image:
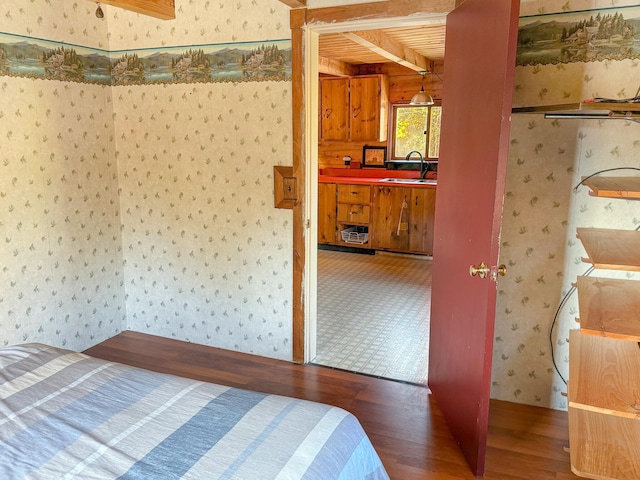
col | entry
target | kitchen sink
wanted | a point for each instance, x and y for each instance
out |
(411, 181)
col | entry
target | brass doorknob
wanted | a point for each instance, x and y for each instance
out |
(481, 270)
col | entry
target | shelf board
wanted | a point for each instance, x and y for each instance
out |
(596, 110)
(611, 249)
(603, 446)
(609, 307)
(611, 106)
(562, 107)
(604, 376)
(614, 187)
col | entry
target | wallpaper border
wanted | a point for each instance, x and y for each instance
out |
(611, 33)
(28, 57)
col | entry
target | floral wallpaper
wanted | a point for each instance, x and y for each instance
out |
(207, 256)
(542, 210)
(61, 251)
(149, 206)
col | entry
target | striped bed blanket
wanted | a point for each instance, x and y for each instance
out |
(67, 415)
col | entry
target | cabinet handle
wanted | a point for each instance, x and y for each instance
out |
(416, 200)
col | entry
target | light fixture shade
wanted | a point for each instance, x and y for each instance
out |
(422, 98)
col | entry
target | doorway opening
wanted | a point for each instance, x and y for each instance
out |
(364, 313)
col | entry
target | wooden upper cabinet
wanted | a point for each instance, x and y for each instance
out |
(368, 108)
(334, 108)
(354, 108)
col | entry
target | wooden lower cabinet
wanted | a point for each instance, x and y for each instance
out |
(422, 209)
(327, 204)
(395, 218)
(390, 226)
(403, 219)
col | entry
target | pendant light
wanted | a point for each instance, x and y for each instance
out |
(422, 98)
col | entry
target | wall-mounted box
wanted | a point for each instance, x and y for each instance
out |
(285, 187)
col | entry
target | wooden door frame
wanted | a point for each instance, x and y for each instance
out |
(306, 23)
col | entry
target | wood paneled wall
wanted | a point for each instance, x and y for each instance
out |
(403, 84)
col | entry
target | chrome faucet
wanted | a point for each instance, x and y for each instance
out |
(423, 171)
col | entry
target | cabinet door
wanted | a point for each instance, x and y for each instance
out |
(365, 108)
(327, 213)
(390, 221)
(334, 108)
(421, 214)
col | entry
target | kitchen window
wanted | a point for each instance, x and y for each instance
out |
(415, 127)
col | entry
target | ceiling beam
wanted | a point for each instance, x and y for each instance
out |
(329, 66)
(417, 9)
(385, 46)
(162, 9)
(295, 3)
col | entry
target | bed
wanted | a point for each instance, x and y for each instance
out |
(64, 415)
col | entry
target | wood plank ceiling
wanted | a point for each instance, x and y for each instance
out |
(415, 47)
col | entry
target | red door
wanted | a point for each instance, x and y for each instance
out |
(478, 82)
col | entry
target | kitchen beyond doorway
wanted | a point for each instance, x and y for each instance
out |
(373, 314)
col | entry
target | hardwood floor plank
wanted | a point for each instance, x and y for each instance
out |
(403, 421)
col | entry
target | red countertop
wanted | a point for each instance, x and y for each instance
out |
(371, 176)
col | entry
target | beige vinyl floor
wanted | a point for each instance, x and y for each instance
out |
(373, 314)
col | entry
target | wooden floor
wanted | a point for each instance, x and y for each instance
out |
(403, 421)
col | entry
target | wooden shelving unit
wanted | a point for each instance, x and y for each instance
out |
(604, 362)
(604, 355)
